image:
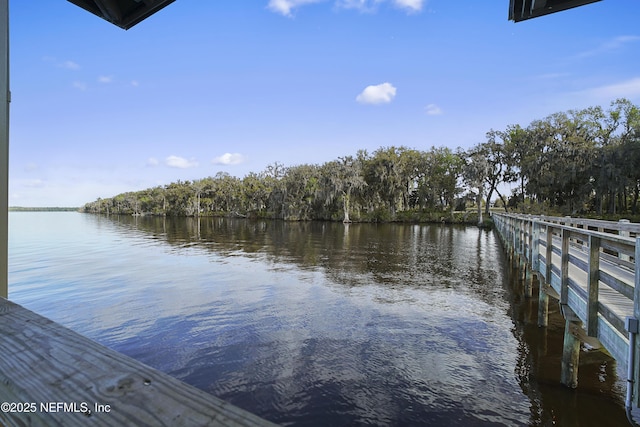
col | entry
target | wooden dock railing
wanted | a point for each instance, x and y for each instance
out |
(591, 267)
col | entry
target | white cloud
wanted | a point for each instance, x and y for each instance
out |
(69, 65)
(284, 6)
(229, 159)
(433, 110)
(105, 79)
(33, 183)
(611, 45)
(361, 5)
(626, 89)
(135, 83)
(378, 94)
(550, 76)
(411, 5)
(180, 162)
(370, 5)
(152, 161)
(31, 166)
(80, 85)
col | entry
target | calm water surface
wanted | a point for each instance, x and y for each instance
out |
(314, 323)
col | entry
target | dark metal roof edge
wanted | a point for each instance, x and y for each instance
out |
(525, 14)
(139, 17)
(110, 13)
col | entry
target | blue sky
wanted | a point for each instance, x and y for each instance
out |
(208, 86)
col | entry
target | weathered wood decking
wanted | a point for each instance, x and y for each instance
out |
(590, 266)
(55, 377)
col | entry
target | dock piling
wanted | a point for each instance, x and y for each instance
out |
(528, 281)
(543, 306)
(570, 349)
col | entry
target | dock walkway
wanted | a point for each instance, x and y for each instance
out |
(52, 376)
(591, 267)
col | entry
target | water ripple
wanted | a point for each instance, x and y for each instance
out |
(305, 324)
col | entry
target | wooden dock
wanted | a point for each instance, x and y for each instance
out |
(52, 376)
(591, 267)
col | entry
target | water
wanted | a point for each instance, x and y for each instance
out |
(313, 323)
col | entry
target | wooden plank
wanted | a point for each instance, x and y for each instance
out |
(613, 305)
(608, 237)
(611, 273)
(615, 342)
(577, 302)
(614, 260)
(614, 321)
(622, 248)
(615, 283)
(43, 362)
(594, 223)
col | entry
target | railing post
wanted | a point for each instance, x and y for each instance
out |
(528, 277)
(636, 314)
(530, 240)
(5, 98)
(549, 255)
(512, 239)
(535, 246)
(523, 242)
(543, 297)
(516, 236)
(624, 233)
(592, 286)
(566, 222)
(564, 268)
(523, 237)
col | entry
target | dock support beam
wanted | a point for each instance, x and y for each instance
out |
(528, 281)
(5, 98)
(543, 306)
(570, 348)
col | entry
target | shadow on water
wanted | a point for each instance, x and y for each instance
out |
(360, 324)
(599, 397)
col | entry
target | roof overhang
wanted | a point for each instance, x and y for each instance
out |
(123, 13)
(521, 10)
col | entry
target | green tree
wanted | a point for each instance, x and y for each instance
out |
(341, 178)
(498, 167)
(475, 172)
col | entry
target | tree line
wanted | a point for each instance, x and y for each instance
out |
(572, 162)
